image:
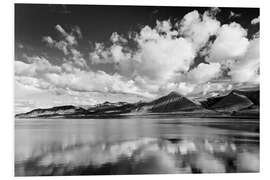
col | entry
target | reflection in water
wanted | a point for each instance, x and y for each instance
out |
(128, 146)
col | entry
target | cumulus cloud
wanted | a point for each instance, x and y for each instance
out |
(160, 58)
(204, 72)
(199, 28)
(185, 88)
(247, 68)
(157, 57)
(193, 81)
(37, 66)
(99, 55)
(255, 20)
(114, 54)
(231, 42)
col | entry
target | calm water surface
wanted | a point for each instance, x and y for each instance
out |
(135, 145)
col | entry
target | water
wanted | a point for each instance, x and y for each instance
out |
(136, 145)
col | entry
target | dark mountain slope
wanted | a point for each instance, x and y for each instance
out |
(232, 102)
(173, 102)
(209, 102)
(254, 96)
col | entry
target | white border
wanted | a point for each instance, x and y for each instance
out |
(7, 60)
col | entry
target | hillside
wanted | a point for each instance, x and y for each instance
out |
(54, 111)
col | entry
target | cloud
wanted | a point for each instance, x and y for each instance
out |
(234, 15)
(77, 31)
(61, 45)
(165, 27)
(160, 57)
(255, 20)
(93, 81)
(161, 54)
(204, 72)
(185, 88)
(61, 30)
(22, 68)
(231, 42)
(199, 28)
(34, 83)
(67, 45)
(246, 69)
(24, 106)
(69, 37)
(37, 66)
(113, 54)
(40, 73)
(68, 41)
(215, 88)
(48, 40)
(20, 45)
(157, 55)
(99, 55)
(193, 81)
(78, 58)
(116, 38)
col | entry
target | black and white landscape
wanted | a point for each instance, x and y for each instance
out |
(106, 90)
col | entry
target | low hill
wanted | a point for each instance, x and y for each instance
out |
(54, 111)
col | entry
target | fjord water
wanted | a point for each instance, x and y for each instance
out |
(154, 144)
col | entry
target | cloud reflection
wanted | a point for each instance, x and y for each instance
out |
(141, 156)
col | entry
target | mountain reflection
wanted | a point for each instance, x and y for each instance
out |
(141, 156)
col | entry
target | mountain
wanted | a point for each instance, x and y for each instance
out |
(173, 102)
(241, 102)
(232, 102)
(236, 100)
(253, 96)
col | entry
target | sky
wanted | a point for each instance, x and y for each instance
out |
(86, 54)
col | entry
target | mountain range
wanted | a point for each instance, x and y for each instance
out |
(235, 103)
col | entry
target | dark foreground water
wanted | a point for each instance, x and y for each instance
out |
(135, 145)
